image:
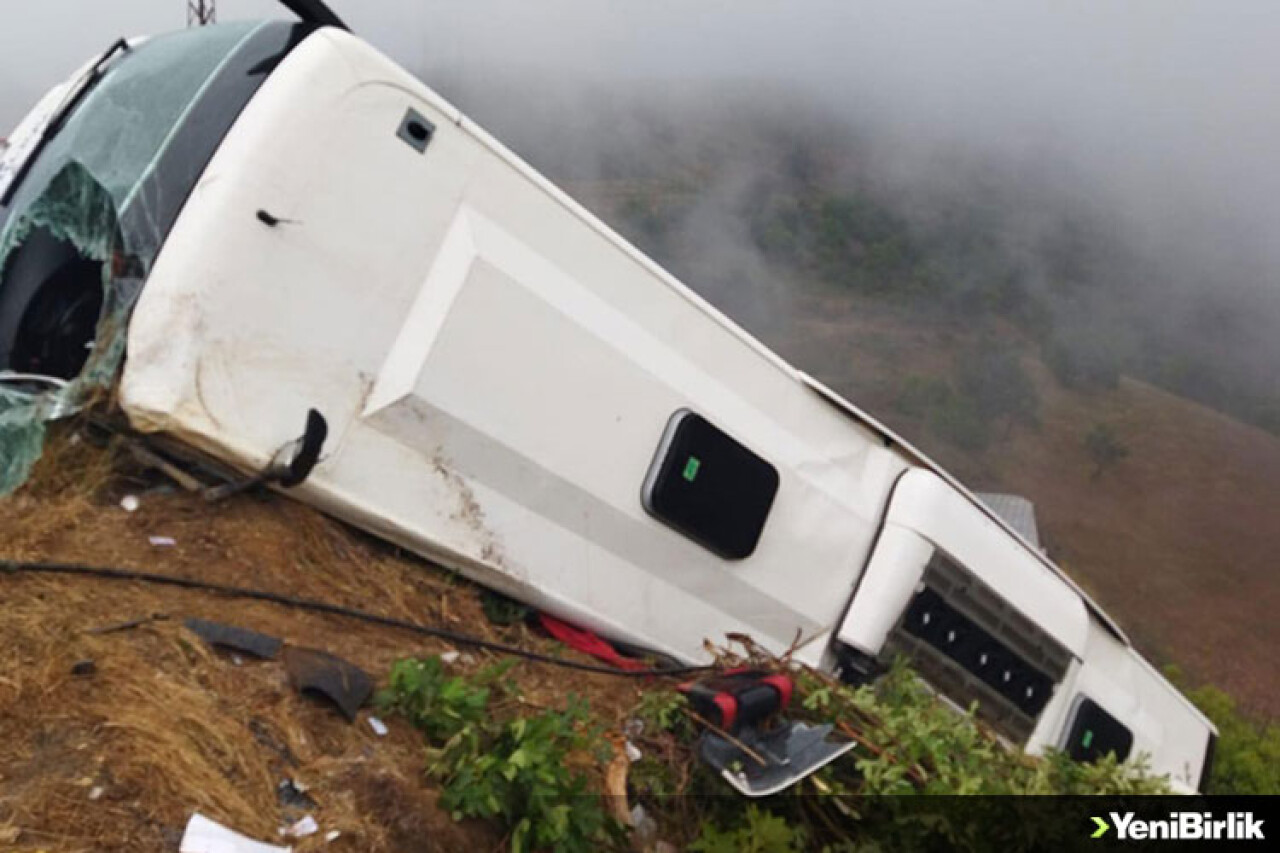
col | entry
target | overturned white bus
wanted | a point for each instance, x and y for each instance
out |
(243, 223)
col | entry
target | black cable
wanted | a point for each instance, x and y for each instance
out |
(26, 567)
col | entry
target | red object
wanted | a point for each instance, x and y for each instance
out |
(739, 697)
(587, 642)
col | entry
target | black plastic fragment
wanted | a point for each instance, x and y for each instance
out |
(84, 667)
(308, 452)
(318, 673)
(236, 639)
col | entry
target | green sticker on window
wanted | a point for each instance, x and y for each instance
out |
(691, 468)
(1087, 740)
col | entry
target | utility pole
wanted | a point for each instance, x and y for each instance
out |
(201, 12)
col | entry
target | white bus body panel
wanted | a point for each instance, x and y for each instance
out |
(497, 368)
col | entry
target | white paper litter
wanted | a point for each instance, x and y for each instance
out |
(633, 752)
(206, 836)
(304, 827)
(162, 541)
(331, 836)
(379, 727)
(130, 503)
(449, 657)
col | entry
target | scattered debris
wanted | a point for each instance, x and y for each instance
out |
(130, 503)
(84, 667)
(153, 460)
(646, 828)
(96, 792)
(162, 541)
(379, 728)
(316, 672)
(790, 752)
(289, 467)
(633, 752)
(450, 657)
(235, 638)
(303, 827)
(746, 741)
(292, 794)
(205, 836)
(587, 642)
(331, 836)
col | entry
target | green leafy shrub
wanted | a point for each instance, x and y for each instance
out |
(1247, 756)
(1104, 447)
(438, 704)
(527, 772)
(663, 711)
(758, 832)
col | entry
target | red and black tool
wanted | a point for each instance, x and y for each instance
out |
(739, 698)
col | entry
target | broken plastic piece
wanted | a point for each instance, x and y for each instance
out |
(316, 672)
(204, 836)
(162, 541)
(379, 728)
(234, 638)
(84, 667)
(303, 827)
(791, 752)
(290, 465)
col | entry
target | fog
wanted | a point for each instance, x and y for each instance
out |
(1160, 117)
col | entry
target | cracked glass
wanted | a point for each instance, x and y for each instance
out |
(83, 228)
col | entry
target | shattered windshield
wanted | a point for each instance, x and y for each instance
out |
(124, 123)
(90, 213)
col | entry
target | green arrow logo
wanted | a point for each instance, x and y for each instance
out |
(1102, 828)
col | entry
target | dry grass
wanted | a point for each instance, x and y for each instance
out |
(118, 760)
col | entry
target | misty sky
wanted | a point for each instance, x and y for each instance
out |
(1168, 111)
